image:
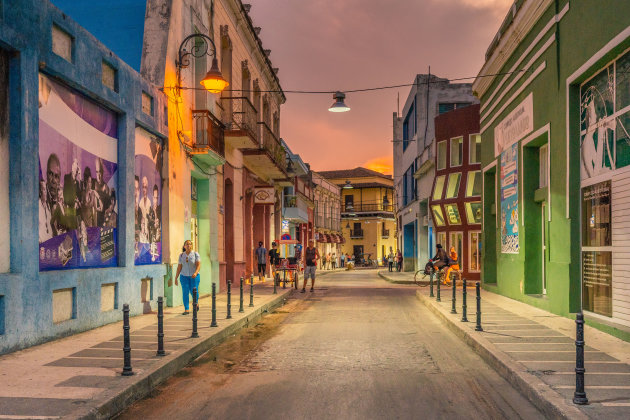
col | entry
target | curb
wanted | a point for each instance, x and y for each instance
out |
(384, 277)
(143, 384)
(548, 401)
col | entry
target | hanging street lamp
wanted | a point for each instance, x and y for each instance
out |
(339, 105)
(213, 82)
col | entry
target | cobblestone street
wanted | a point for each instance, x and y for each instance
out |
(358, 347)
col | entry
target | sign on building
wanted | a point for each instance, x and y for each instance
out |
(264, 195)
(515, 126)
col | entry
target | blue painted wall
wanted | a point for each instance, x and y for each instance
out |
(124, 37)
(25, 31)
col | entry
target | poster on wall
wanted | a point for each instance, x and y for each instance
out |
(78, 148)
(509, 200)
(148, 199)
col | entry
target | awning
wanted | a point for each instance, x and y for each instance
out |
(321, 237)
(328, 238)
(343, 240)
(336, 238)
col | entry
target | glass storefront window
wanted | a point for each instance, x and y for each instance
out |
(473, 213)
(474, 149)
(597, 282)
(452, 213)
(457, 151)
(473, 184)
(441, 239)
(474, 251)
(596, 215)
(438, 216)
(453, 185)
(441, 155)
(439, 187)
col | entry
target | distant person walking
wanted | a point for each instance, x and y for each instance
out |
(311, 255)
(261, 257)
(188, 266)
(342, 260)
(399, 259)
(334, 260)
(328, 261)
(390, 260)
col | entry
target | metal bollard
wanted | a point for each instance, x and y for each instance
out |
(579, 396)
(454, 299)
(284, 279)
(214, 305)
(194, 317)
(229, 299)
(127, 370)
(160, 333)
(464, 307)
(251, 292)
(478, 326)
(275, 282)
(431, 285)
(240, 308)
(438, 299)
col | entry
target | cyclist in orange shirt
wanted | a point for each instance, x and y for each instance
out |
(452, 265)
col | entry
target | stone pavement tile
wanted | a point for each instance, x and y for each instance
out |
(40, 407)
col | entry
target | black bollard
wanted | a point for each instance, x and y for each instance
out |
(431, 285)
(240, 308)
(214, 305)
(251, 292)
(579, 396)
(478, 326)
(453, 300)
(229, 300)
(438, 299)
(464, 307)
(127, 370)
(160, 334)
(284, 279)
(275, 282)
(194, 317)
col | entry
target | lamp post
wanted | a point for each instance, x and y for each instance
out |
(213, 81)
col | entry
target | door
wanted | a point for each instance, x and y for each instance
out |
(194, 221)
(457, 240)
(543, 224)
(357, 250)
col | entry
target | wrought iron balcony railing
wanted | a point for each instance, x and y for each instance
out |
(365, 206)
(208, 132)
(243, 115)
(272, 145)
(385, 233)
(356, 233)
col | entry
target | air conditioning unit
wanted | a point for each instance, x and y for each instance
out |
(425, 220)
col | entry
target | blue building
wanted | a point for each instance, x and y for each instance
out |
(81, 140)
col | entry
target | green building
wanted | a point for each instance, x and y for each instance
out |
(555, 127)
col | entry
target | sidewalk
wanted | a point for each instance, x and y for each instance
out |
(535, 351)
(79, 376)
(396, 277)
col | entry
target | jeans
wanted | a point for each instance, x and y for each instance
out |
(391, 266)
(188, 283)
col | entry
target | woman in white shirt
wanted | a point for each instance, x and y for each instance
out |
(189, 266)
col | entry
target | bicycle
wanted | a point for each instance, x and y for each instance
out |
(440, 276)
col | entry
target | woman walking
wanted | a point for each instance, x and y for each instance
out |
(189, 266)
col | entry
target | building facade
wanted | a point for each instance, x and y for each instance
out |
(367, 213)
(329, 237)
(555, 158)
(78, 127)
(456, 198)
(414, 156)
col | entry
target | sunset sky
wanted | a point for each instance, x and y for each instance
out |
(351, 44)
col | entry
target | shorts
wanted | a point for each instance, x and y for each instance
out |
(262, 268)
(309, 271)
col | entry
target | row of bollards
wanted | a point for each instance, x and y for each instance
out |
(454, 299)
(128, 370)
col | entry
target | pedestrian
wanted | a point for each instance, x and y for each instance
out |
(311, 255)
(334, 260)
(342, 260)
(261, 258)
(189, 266)
(399, 260)
(274, 258)
(390, 259)
(328, 261)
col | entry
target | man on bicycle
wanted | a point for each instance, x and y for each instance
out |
(441, 258)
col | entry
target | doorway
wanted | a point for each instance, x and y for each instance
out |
(544, 233)
(357, 250)
(456, 240)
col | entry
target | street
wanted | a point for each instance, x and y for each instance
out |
(358, 347)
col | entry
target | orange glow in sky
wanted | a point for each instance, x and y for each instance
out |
(383, 164)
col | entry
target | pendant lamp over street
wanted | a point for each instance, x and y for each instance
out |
(348, 185)
(339, 104)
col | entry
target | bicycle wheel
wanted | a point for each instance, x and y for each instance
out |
(420, 279)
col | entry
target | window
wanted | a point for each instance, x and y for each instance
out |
(456, 241)
(452, 214)
(349, 202)
(457, 151)
(108, 76)
(474, 150)
(5, 237)
(473, 213)
(474, 252)
(441, 155)
(542, 161)
(438, 216)
(439, 186)
(147, 104)
(409, 185)
(441, 239)
(450, 106)
(62, 43)
(473, 184)
(409, 125)
(453, 185)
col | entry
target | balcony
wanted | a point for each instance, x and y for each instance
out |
(356, 233)
(295, 208)
(208, 143)
(385, 233)
(367, 206)
(241, 129)
(269, 159)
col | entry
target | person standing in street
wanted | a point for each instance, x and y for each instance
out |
(342, 259)
(274, 259)
(399, 260)
(261, 258)
(189, 266)
(311, 255)
(334, 260)
(390, 259)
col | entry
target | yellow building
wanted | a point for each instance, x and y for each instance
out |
(367, 213)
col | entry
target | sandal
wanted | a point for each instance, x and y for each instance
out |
(186, 313)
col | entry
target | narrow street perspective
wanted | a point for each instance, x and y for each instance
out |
(356, 348)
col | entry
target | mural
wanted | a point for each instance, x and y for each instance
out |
(148, 199)
(78, 149)
(509, 200)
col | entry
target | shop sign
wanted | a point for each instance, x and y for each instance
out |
(509, 200)
(264, 195)
(285, 237)
(285, 226)
(515, 126)
(78, 178)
